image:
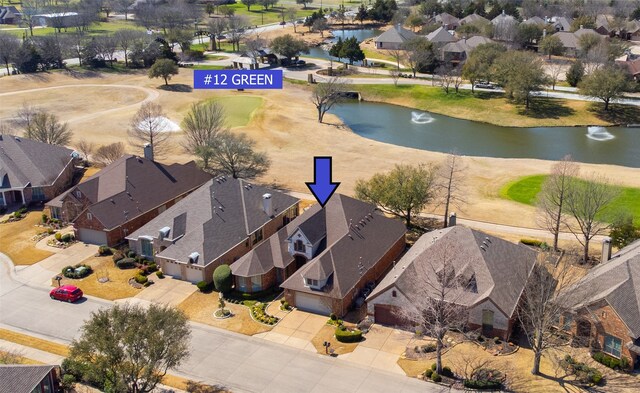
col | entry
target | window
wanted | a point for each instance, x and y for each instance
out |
(242, 283)
(256, 283)
(612, 345)
(299, 246)
(147, 247)
(37, 194)
(312, 283)
(257, 236)
(394, 293)
(89, 216)
(567, 322)
(78, 194)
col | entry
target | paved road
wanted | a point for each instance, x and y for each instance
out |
(243, 364)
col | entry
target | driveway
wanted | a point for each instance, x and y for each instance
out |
(381, 349)
(166, 291)
(296, 329)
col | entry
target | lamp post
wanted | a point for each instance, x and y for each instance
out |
(326, 346)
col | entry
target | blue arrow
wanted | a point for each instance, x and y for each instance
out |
(322, 186)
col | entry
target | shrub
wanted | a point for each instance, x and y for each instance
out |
(434, 367)
(446, 371)
(78, 271)
(68, 382)
(428, 372)
(222, 279)
(58, 236)
(204, 286)
(348, 336)
(333, 316)
(159, 274)
(131, 254)
(428, 348)
(582, 371)
(485, 378)
(610, 361)
(50, 231)
(45, 218)
(435, 377)
(117, 256)
(152, 267)
(104, 250)
(126, 263)
(67, 237)
(140, 279)
(531, 242)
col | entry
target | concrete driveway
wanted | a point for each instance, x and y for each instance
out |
(296, 330)
(166, 290)
(381, 349)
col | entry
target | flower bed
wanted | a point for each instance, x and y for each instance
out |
(62, 241)
(259, 314)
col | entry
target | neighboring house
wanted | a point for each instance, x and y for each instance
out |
(504, 27)
(493, 273)
(536, 20)
(458, 52)
(124, 196)
(560, 23)
(473, 18)
(394, 38)
(569, 42)
(325, 257)
(440, 37)
(18, 378)
(633, 66)
(32, 171)
(603, 27)
(216, 224)
(606, 305)
(9, 15)
(631, 31)
(447, 21)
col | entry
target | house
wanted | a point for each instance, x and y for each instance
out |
(569, 42)
(124, 196)
(394, 38)
(216, 224)
(325, 257)
(504, 27)
(606, 305)
(561, 23)
(9, 15)
(631, 31)
(458, 52)
(633, 66)
(603, 27)
(32, 171)
(245, 62)
(441, 36)
(18, 378)
(535, 20)
(486, 266)
(57, 20)
(473, 18)
(447, 21)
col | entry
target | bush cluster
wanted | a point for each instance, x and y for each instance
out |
(104, 250)
(345, 335)
(67, 237)
(424, 348)
(583, 372)
(485, 378)
(204, 286)
(117, 256)
(78, 271)
(259, 313)
(140, 279)
(20, 212)
(610, 361)
(126, 263)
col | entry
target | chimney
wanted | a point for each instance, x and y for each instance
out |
(606, 249)
(581, 27)
(452, 220)
(503, 13)
(267, 204)
(544, 33)
(148, 151)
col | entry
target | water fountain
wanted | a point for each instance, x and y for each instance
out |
(421, 118)
(598, 133)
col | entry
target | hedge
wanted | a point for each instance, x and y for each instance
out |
(204, 286)
(610, 361)
(140, 279)
(78, 271)
(472, 384)
(223, 279)
(348, 336)
(126, 263)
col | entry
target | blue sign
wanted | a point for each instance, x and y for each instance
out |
(237, 79)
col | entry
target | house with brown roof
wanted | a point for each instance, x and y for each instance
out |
(19, 378)
(484, 265)
(123, 196)
(216, 224)
(32, 171)
(474, 18)
(325, 257)
(457, 52)
(606, 305)
(561, 23)
(570, 40)
(633, 66)
(441, 37)
(447, 21)
(394, 38)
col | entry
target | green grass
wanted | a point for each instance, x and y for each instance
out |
(209, 67)
(525, 190)
(258, 16)
(95, 29)
(239, 109)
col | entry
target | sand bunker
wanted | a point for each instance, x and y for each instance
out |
(162, 124)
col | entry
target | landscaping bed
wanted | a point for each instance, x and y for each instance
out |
(16, 240)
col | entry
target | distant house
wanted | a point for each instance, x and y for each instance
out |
(123, 196)
(216, 224)
(535, 20)
(492, 272)
(325, 257)
(245, 62)
(606, 305)
(504, 27)
(440, 36)
(457, 52)
(473, 18)
(633, 66)
(603, 27)
(631, 31)
(561, 23)
(9, 15)
(32, 171)
(394, 38)
(57, 20)
(18, 378)
(447, 21)
(569, 42)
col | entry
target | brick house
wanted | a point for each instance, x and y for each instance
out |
(123, 196)
(324, 258)
(606, 305)
(32, 171)
(216, 224)
(485, 265)
(18, 378)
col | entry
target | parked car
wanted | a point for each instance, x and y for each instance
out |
(484, 85)
(301, 62)
(66, 293)
(283, 23)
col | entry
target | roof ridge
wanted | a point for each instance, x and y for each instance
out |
(244, 207)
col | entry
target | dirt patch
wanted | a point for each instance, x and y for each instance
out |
(327, 333)
(17, 239)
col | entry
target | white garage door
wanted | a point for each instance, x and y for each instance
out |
(312, 303)
(194, 275)
(171, 269)
(92, 237)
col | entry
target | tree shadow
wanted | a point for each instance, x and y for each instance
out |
(177, 88)
(83, 73)
(199, 387)
(546, 108)
(617, 113)
(43, 76)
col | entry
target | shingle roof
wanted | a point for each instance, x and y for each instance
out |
(473, 18)
(568, 39)
(466, 45)
(25, 161)
(494, 268)
(132, 185)
(503, 18)
(440, 35)
(582, 31)
(563, 23)
(396, 34)
(357, 237)
(447, 19)
(536, 20)
(21, 378)
(602, 21)
(616, 281)
(215, 218)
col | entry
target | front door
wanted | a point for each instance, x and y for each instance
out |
(487, 322)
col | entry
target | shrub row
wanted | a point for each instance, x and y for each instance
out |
(424, 348)
(78, 271)
(259, 313)
(485, 378)
(126, 263)
(610, 361)
(583, 373)
(534, 243)
(345, 335)
(66, 238)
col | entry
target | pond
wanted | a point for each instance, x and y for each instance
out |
(427, 131)
(360, 34)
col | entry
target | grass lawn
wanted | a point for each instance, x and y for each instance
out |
(258, 16)
(116, 288)
(494, 108)
(16, 241)
(215, 57)
(16, 359)
(327, 333)
(34, 342)
(209, 67)
(239, 108)
(524, 190)
(95, 29)
(376, 54)
(200, 307)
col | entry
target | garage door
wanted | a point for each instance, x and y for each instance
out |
(92, 237)
(312, 303)
(386, 315)
(194, 275)
(171, 269)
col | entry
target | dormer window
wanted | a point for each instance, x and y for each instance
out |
(312, 282)
(78, 194)
(299, 246)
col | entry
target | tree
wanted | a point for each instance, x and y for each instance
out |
(415, 21)
(223, 279)
(321, 25)
(395, 76)
(126, 39)
(326, 94)
(362, 14)
(122, 6)
(106, 154)
(45, 127)
(85, 148)
(248, 3)
(624, 231)
(528, 34)
(9, 46)
(575, 73)
(350, 49)
(450, 179)
(583, 22)
(233, 154)
(383, 10)
(289, 46)
(551, 46)
(479, 64)
(130, 347)
(403, 192)
(419, 54)
(588, 41)
(554, 70)
(147, 127)
(304, 3)
(163, 68)
(542, 304)
(30, 8)
(216, 27)
(204, 121)
(551, 199)
(586, 202)
(521, 74)
(606, 84)
(236, 25)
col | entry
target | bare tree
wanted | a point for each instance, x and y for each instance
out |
(451, 178)
(446, 76)
(586, 202)
(107, 154)
(9, 46)
(552, 197)
(44, 127)
(233, 155)
(236, 25)
(10, 357)
(328, 93)
(148, 126)
(202, 124)
(397, 55)
(216, 27)
(395, 75)
(554, 70)
(126, 39)
(85, 148)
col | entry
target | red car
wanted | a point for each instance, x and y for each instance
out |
(66, 293)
